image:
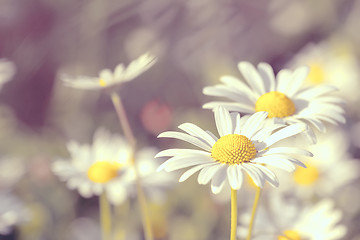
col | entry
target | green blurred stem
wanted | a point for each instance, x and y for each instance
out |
(234, 212)
(120, 111)
(253, 212)
(105, 216)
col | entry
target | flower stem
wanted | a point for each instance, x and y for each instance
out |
(120, 111)
(105, 217)
(234, 213)
(253, 212)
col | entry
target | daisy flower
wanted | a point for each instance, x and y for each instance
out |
(108, 78)
(107, 166)
(331, 62)
(293, 221)
(283, 97)
(244, 146)
(7, 71)
(321, 178)
(12, 212)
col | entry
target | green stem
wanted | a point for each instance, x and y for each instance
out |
(120, 111)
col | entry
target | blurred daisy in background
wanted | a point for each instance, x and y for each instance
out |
(244, 145)
(107, 78)
(12, 212)
(331, 61)
(329, 170)
(107, 166)
(283, 97)
(287, 220)
(7, 71)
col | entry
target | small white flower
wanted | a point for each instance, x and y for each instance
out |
(107, 166)
(12, 212)
(108, 78)
(283, 97)
(332, 61)
(244, 146)
(321, 178)
(7, 71)
(293, 221)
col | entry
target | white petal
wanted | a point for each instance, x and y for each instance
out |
(298, 77)
(231, 106)
(187, 138)
(207, 173)
(227, 92)
(315, 92)
(239, 86)
(252, 77)
(254, 174)
(193, 170)
(269, 175)
(287, 150)
(223, 121)
(180, 158)
(276, 162)
(179, 151)
(196, 131)
(267, 74)
(265, 132)
(283, 79)
(235, 176)
(253, 123)
(237, 129)
(285, 133)
(218, 180)
(186, 162)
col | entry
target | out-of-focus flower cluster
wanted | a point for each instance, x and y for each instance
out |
(61, 146)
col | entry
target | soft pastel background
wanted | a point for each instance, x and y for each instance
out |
(196, 42)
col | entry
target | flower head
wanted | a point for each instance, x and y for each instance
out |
(108, 78)
(285, 220)
(245, 145)
(283, 97)
(108, 166)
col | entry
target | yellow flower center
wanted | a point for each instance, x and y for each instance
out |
(233, 149)
(316, 74)
(306, 176)
(290, 235)
(276, 104)
(103, 171)
(102, 82)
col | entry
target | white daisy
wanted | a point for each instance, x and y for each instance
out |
(107, 166)
(7, 71)
(244, 145)
(321, 178)
(108, 78)
(12, 212)
(282, 97)
(334, 62)
(292, 221)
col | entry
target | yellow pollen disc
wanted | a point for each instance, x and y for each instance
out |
(290, 235)
(103, 171)
(306, 176)
(276, 104)
(102, 82)
(316, 74)
(233, 149)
